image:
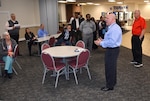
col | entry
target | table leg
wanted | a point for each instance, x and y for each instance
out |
(66, 69)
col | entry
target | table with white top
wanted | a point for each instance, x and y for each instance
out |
(64, 52)
(43, 39)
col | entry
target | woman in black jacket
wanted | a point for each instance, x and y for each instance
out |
(30, 38)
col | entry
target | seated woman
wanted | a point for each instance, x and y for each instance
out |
(7, 46)
(30, 37)
(66, 37)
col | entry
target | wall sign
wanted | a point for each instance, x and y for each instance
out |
(119, 8)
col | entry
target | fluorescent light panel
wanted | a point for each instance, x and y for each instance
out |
(119, 2)
(89, 3)
(82, 3)
(62, 1)
(146, 0)
(96, 4)
(111, 0)
(71, 0)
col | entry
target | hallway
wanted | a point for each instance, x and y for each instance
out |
(126, 41)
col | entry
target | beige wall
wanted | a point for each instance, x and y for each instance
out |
(147, 26)
(33, 29)
(145, 11)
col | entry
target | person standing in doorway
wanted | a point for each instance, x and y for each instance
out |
(112, 42)
(75, 28)
(138, 31)
(13, 27)
(87, 27)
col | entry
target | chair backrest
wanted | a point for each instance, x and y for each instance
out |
(45, 46)
(81, 44)
(83, 58)
(16, 51)
(2, 62)
(51, 41)
(48, 61)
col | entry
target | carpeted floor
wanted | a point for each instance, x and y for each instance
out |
(133, 84)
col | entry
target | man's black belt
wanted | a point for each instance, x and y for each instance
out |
(112, 47)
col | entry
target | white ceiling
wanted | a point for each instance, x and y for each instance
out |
(106, 1)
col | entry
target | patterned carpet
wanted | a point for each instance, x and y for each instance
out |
(133, 84)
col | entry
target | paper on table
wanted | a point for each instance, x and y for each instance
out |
(78, 50)
(16, 25)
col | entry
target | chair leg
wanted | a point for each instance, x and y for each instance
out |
(44, 76)
(80, 70)
(18, 64)
(88, 72)
(14, 70)
(56, 82)
(54, 74)
(0, 71)
(74, 72)
(65, 70)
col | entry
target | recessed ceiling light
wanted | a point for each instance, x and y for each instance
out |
(97, 4)
(82, 3)
(89, 3)
(62, 1)
(119, 2)
(111, 0)
(71, 0)
(146, 0)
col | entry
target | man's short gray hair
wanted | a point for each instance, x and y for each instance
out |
(5, 33)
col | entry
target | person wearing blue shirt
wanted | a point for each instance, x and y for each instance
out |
(112, 41)
(42, 32)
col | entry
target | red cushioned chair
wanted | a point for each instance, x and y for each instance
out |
(51, 41)
(51, 65)
(45, 46)
(81, 44)
(80, 62)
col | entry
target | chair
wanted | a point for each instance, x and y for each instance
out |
(2, 63)
(45, 46)
(16, 50)
(51, 65)
(51, 41)
(81, 44)
(80, 62)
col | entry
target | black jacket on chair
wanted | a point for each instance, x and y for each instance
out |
(29, 37)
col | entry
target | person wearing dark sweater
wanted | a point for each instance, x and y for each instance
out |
(30, 38)
(7, 46)
(65, 38)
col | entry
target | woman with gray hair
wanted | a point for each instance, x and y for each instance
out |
(7, 46)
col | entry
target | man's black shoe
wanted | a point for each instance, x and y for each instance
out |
(106, 89)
